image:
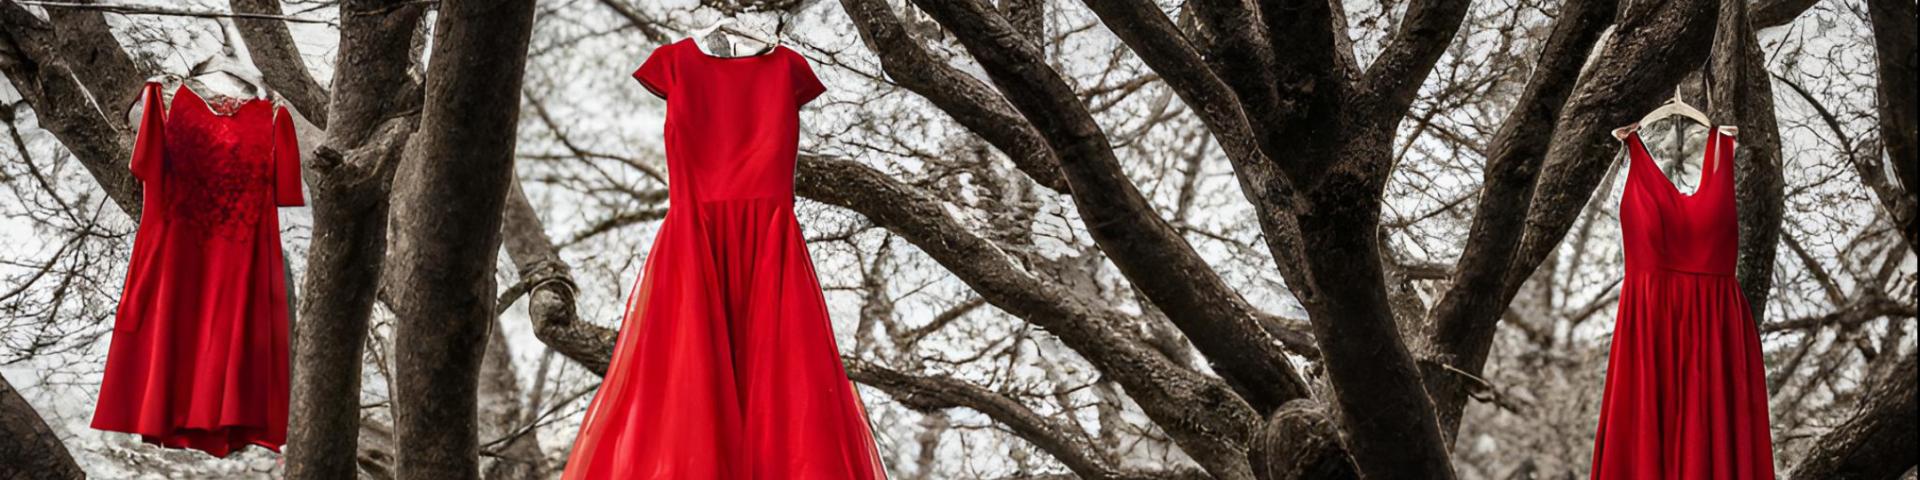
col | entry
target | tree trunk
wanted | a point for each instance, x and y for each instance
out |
(348, 177)
(1894, 41)
(1742, 95)
(513, 440)
(28, 448)
(447, 204)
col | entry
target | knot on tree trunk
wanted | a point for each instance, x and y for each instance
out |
(1299, 441)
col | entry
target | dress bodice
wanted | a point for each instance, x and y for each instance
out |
(733, 123)
(1665, 229)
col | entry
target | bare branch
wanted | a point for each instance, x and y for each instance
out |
(1148, 250)
(274, 53)
(1397, 74)
(970, 102)
(164, 11)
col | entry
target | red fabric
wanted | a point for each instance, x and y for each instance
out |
(1686, 394)
(199, 351)
(726, 367)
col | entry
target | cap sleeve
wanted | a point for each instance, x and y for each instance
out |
(806, 86)
(286, 161)
(656, 73)
(150, 143)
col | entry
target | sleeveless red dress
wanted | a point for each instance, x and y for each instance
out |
(1686, 392)
(726, 365)
(199, 352)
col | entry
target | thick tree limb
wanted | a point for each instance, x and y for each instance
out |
(274, 53)
(31, 55)
(967, 100)
(88, 45)
(1877, 443)
(448, 197)
(1653, 46)
(1895, 43)
(550, 288)
(1238, 48)
(1207, 419)
(1742, 95)
(1462, 323)
(1160, 44)
(1773, 13)
(1426, 30)
(28, 448)
(1148, 250)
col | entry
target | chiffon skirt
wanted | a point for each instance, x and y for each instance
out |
(1686, 392)
(726, 366)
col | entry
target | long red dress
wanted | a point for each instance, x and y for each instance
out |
(199, 352)
(726, 367)
(1686, 394)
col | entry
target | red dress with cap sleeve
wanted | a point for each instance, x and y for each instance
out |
(726, 365)
(198, 357)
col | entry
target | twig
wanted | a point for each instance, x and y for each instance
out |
(164, 11)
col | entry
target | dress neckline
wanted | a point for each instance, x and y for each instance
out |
(1709, 164)
(244, 103)
(700, 50)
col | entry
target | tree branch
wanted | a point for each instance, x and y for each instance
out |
(29, 448)
(1207, 419)
(1877, 442)
(1066, 442)
(1465, 318)
(164, 11)
(1426, 31)
(274, 53)
(31, 56)
(967, 100)
(443, 257)
(1122, 222)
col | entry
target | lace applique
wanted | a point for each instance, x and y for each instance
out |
(219, 174)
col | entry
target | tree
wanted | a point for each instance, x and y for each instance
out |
(448, 199)
(1373, 381)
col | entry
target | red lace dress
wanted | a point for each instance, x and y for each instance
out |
(199, 352)
(1686, 393)
(726, 366)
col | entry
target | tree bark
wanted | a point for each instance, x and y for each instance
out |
(512, 437)
(1877, 443)
(1144, 247)
(28, 448)
(1894, 42)
(448, 199)
(271, 47)
(1463, 322)
(372, 114)
(1742, 95)
(33, 56)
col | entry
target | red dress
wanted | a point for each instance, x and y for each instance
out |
(199, 352)
(726, 367)
(1686, 394)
